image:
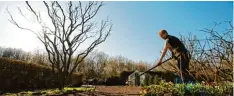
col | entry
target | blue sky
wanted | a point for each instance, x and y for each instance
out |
(135, 25)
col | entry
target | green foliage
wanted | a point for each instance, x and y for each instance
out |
(179, 89)
(156, 77)
(146, 83)
(21, 75)
(197, 89)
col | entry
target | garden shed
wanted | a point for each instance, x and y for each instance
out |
(135, 80)
(148, 78)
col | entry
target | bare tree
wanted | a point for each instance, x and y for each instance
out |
(213, 55)
(12, 53)
(72, 26)
(8, 52)
(100, 63)
(88, 69)
(39, 57)
(141, 66)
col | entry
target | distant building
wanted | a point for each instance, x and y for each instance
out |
(149, 77)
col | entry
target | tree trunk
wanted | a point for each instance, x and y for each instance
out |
(60, 78)
(63, 80)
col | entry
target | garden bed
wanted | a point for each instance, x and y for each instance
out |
(192, 89)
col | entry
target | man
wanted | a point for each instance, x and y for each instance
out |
(179, 52)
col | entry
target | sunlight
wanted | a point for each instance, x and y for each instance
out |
(15, 37)
(24, 39)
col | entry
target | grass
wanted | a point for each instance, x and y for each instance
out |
(51, 91)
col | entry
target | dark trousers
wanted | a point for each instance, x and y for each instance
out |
(183, 66)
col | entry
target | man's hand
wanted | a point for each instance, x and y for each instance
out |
(166, 47)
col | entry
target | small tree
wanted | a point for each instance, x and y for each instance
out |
(71, 26)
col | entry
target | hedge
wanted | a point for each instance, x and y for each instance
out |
(15, 74)
(118, 79)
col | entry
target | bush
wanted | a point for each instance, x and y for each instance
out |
(154, 77)
(15, 74)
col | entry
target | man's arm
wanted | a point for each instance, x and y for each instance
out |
(164, 51)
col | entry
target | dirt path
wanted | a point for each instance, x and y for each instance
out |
(113, 91)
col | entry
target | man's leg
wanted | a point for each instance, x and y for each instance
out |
(180, 68)
(183, 66)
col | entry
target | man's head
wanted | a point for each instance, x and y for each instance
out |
(163, 34)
